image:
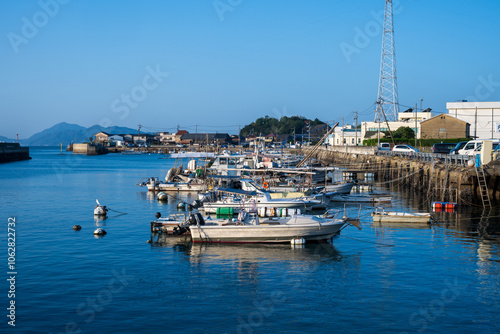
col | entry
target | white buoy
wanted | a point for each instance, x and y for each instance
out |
(100, 231)
(162, 196)
(298, 241)
(100, 210)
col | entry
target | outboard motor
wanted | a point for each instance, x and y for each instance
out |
(199, 219)
(196, 204)
(191, 220)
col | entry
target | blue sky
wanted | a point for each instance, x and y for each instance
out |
(216, 65)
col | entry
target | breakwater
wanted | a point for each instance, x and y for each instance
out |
(13, 152)
(437, 180)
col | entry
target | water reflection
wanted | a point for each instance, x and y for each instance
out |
(198, 253)
(100, 220)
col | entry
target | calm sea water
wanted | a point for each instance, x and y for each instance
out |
(443, 278)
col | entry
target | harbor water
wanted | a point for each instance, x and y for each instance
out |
(437, 278)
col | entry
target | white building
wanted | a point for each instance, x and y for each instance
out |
(405, 119)
(116, 139)
(347, 136)
(167, 137)
(483, 117)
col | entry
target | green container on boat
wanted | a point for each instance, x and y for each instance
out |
(225, 211)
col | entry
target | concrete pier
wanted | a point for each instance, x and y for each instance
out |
(435, 179)
(89, 149)
(13, 152)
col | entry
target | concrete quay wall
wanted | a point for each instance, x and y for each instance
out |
(438, 181)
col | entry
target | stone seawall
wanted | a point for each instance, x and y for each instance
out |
(438, 181)
(13, 152)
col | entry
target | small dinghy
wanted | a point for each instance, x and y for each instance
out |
(382, 216)
(100, 210)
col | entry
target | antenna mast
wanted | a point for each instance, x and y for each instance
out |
(387, 87)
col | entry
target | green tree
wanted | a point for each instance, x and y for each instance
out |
(404, 132)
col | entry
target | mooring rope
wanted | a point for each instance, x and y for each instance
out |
(123, 213)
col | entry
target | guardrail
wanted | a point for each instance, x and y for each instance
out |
(450, 159)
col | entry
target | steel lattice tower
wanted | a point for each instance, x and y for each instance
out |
(387, 100)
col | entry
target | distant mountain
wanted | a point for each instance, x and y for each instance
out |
(66, 133)
(7, 140)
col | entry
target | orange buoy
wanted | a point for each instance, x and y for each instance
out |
(265, 185)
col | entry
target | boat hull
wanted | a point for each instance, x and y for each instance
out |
(249, 206)
(264, 233)
(177, 187)
(401, 218)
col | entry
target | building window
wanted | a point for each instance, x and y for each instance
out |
(442, 130)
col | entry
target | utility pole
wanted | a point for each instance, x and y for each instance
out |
(421, 100)
(416, 114)
(475, 124)
(492, 123)
(343, 143)
(356, 128)
(309, 130)
(139, 129)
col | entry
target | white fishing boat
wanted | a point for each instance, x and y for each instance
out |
(229, 201)
(360, 198)
(181, 184)
(330, 189)
(296, 229)
(382, 216)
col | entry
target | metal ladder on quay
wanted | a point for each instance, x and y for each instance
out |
(481, 180)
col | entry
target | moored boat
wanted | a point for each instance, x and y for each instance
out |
(382, 216)
(250, 229)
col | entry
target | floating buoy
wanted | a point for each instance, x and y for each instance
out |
(162, 196)
(149, 241)
(181, 206)
(158, 215)
(100, 210)
(77, 227)
(298, 241)
(100, 231)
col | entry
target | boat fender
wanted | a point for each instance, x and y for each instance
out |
(298, 241)
(100, 231)
(272, 212)
(181, 205)
(77, 227)
(158, 215)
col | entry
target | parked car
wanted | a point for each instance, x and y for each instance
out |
(404, 148)
(384, 147)
(459, 146)
(473, 147)
(443, 148)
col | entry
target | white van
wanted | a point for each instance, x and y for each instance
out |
(473, 147)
